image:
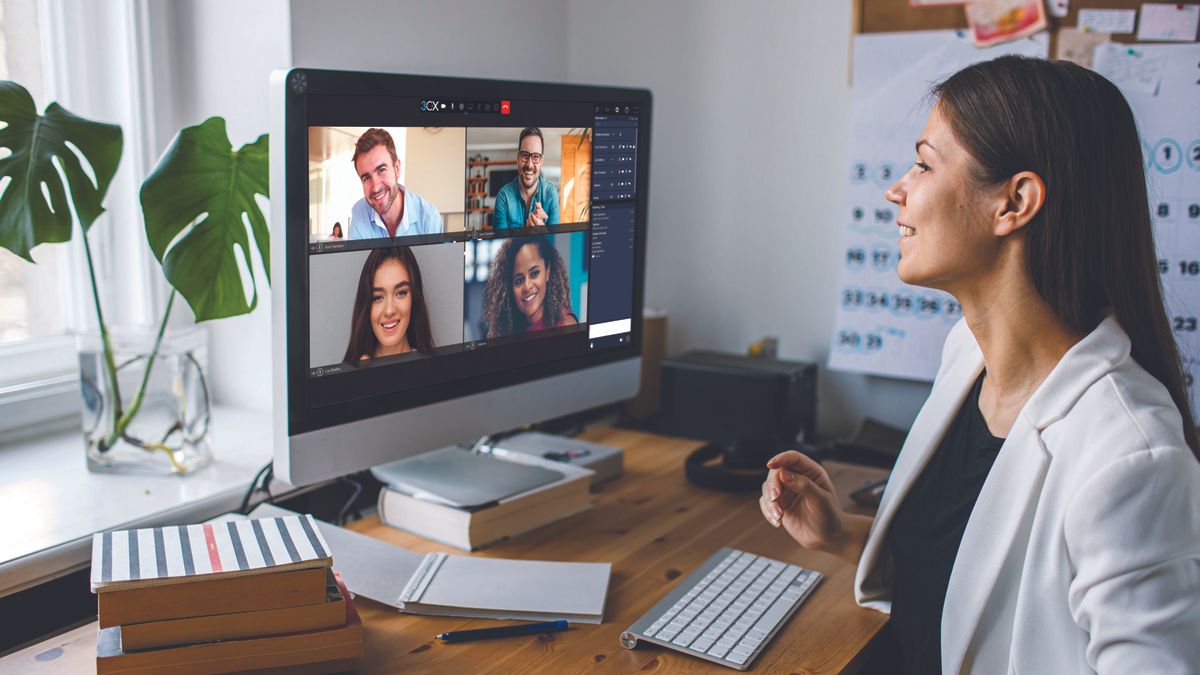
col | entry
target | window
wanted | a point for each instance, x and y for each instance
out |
(36, 350)
(31, 299)
(63, 50)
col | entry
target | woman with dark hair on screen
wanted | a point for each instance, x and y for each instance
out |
(1044, 513)
(337, 231)
(389, 315)
(528, 289)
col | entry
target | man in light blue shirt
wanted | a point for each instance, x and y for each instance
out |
(528, 200)
(387, 209)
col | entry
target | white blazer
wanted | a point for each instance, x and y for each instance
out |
(1083, 552)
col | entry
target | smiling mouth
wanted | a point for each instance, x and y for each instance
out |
(906, 231)
(378, 196)
(528, 298)
(390, 326)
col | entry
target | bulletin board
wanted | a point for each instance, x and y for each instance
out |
(887, 328)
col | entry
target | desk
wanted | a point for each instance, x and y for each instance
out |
(655, 528)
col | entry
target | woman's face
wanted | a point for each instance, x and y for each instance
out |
(391, 308)
(529, 282)
(944, 224)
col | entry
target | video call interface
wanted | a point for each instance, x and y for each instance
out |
(466, 237)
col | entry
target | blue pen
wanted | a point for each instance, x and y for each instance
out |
(504, 631)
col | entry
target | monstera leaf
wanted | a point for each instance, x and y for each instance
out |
(197, 204)
(34, 205)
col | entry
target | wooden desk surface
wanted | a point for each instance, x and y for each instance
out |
(655, 528)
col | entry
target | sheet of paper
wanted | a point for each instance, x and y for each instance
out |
(1170, 130)
(1130, 68)
(995, 21)
(1168, 22)
(1107, 20)
(884, 326)
(1078, 46)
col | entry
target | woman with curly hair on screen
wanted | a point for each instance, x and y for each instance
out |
(528, 289)
(389, 315)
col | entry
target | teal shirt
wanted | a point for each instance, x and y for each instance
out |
(511, 211)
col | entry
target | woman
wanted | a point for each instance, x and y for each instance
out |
(389, 314)
(337, 231)
(528, 289)
(1044, 514)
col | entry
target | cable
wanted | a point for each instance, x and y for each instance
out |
(485, 443)
(345, 510)
(267, 471)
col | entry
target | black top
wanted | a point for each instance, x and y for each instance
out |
(927, 530)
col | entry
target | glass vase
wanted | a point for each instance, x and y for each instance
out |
(149, 425)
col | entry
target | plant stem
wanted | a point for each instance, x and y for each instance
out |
(136, 404)
(110, 366)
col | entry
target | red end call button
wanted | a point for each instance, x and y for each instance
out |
(504, 107)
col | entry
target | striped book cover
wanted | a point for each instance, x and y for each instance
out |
(164, 555)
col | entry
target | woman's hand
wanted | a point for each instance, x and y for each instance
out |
(799, 496)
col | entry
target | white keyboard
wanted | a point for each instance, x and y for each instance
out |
(727, 610)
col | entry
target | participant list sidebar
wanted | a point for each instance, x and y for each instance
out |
(614, 180)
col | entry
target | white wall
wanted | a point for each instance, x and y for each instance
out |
(748, 149)
(748, 163)
(215, 57)
(510, 39)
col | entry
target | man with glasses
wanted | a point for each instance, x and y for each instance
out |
(527, 201)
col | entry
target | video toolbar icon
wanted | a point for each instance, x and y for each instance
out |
(505, 107)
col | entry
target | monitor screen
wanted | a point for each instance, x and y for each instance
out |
(459, 235)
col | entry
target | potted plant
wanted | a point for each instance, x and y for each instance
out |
(202, 222)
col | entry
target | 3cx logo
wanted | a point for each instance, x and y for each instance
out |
(429, 106)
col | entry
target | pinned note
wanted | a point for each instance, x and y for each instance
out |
(1168, 22)
(1078, 46)
(1116, 21)
(996, 21)
(1130, 68)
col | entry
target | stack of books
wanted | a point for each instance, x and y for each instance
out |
(471, 528)
(222, 597)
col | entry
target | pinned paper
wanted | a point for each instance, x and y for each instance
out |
(1107, 20)
(1168, 22)
(1078, 46)
(1129, 68)
(995, 21)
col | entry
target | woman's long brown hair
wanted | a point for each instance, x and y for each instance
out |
(362, 338)
(1090, 250)
(500, 310)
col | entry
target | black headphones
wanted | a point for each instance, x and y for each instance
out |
(743, 466)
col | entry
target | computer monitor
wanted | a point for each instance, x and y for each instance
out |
(414, 306)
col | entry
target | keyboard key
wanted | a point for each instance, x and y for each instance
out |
(773, 615)
(739, 658)
(685, 639)
(741, 648)
(702, 644)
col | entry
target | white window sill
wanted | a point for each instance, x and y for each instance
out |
(50, 504)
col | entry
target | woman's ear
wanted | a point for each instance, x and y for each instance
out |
(1024, 195)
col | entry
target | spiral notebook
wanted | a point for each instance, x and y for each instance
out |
(467, 586)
